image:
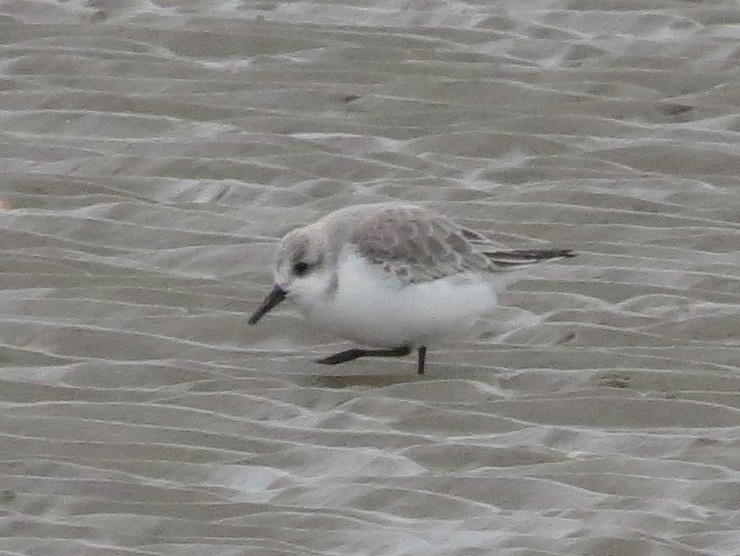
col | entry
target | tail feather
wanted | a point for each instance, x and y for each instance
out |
(521, 257)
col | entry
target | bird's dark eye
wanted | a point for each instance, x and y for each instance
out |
(299, 269)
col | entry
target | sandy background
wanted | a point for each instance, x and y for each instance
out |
(152, 151)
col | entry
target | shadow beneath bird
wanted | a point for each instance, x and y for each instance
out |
(354, 381)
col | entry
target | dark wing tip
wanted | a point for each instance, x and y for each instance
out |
(547, 253)
(536, 254)
(520, 257)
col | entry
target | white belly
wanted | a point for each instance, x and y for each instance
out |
(378, 311)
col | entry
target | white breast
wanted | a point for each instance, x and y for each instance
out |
(373, 309)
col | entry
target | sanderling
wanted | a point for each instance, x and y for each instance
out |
(393, 276)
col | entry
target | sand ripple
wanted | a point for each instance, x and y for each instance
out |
(151, 153)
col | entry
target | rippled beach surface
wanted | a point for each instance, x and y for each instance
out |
(154, 150)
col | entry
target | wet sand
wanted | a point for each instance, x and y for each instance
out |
(152, 152)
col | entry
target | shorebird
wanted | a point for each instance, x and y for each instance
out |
(394, 276)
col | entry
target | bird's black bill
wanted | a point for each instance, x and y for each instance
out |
(276, 295)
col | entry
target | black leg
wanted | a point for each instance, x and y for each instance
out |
(422, 351)
(352, 354)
